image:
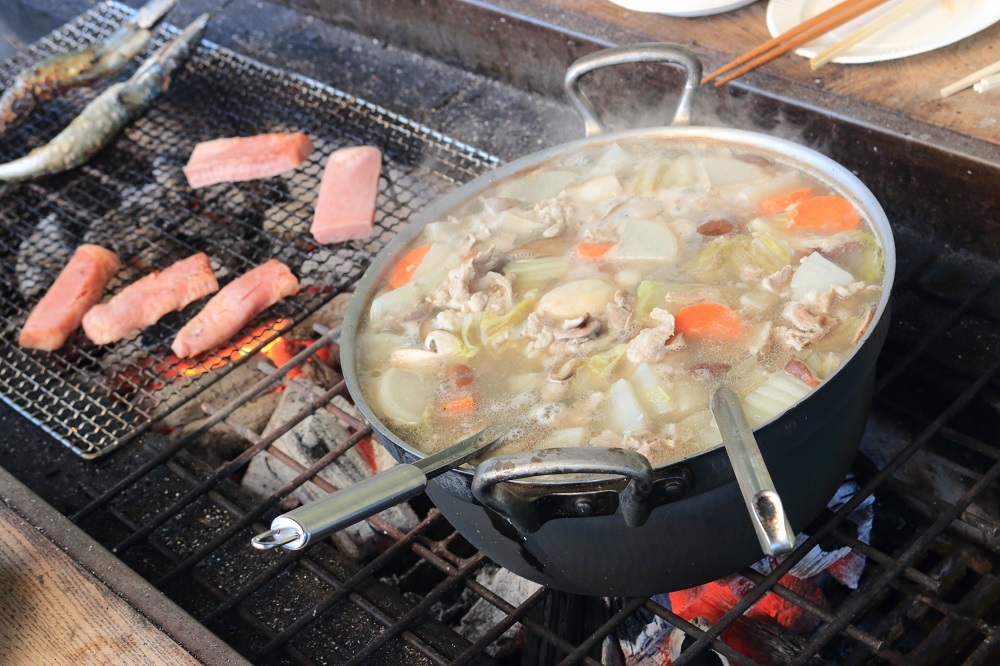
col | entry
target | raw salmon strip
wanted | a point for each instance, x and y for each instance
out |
(143, 302)
(246, 158)
(345, 209)
(234, 307)
(77, 288)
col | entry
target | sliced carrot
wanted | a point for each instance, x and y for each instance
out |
(592, 250)
(824, 214)
(457, 406)
(782, 202)
(403, 271)
(709, 321)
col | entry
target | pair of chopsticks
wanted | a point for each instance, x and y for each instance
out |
(981, 81)
(806, 32)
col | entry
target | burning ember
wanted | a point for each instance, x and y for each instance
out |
(279, 351)
(773, 627)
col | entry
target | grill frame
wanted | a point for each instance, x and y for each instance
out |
(929, 276)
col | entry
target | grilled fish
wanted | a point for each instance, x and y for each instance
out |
(50, 78)
(109, 113)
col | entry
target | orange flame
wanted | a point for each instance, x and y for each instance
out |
(279, 351)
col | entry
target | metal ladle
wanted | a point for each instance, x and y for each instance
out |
(763, 503)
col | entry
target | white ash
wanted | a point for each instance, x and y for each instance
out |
(483, 615)
(254, 414)
(308, 441)
(330, 315)
(41, 256)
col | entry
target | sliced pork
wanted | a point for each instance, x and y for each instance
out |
(77, 288)
(146, 300)
(246, 158)
(234, 307)
(345, 209)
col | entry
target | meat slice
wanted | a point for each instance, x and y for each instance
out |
(146, 300)
(345, 208)
(246, 158)
(78, 287)
(234, 307)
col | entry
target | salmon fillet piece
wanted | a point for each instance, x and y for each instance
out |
(146, 300)
(234, 307)
(345, 208)
(246, 158)
(78, 287)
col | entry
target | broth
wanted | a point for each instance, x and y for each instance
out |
(598, 300)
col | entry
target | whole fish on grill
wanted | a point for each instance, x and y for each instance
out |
(50, 78)
(109, 113)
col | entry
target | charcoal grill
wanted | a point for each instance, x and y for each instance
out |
(133, 199)
(930, 592)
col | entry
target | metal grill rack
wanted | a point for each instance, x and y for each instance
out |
(929, 595)
(133, 199)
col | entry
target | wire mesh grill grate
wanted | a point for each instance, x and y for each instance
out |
(132, 198)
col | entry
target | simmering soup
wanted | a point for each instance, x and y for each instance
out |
(598, 300)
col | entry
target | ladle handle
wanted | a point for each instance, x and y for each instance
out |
(623, 55)
(763, 503)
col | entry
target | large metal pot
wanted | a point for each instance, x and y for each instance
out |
(603, 522)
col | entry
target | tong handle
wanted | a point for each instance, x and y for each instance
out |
(295, 529)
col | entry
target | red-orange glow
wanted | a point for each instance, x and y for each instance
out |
(366, 449)
(279, 351)
(712, 600)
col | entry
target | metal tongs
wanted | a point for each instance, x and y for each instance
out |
(323, 517)
(766, 512)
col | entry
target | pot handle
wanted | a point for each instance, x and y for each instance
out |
(621, 55)
(571, 460)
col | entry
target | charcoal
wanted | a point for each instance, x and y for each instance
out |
(483, 615)
(41, 256)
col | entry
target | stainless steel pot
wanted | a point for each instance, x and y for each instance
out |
(628, 529)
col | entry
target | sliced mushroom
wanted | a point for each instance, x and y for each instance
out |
(563, 371)
(586, 330)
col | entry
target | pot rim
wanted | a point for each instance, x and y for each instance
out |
(811, 160)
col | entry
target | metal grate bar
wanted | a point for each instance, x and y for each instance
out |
(985, 287)
(229, 468)
(856, 603)
(269, 503)
(877, 555)
(511, 617)
(853, 632)
(597, 636)
(264, 384)
(246, 616)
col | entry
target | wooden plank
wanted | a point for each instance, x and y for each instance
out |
(54, 612)
(907, 86)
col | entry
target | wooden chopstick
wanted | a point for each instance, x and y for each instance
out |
(792, 38)
(901, 11)
(967, 81)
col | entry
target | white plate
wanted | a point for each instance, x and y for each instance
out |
(683, 8)
(937, 24)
